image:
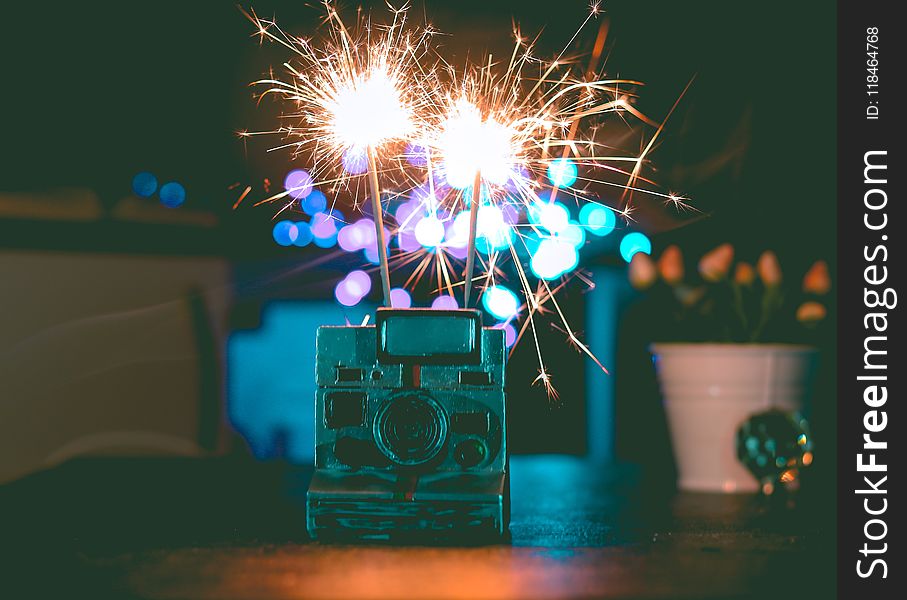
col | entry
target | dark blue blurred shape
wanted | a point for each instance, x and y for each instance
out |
(144, 184)
(172, 194)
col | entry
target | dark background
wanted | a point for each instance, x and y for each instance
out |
(95, 92)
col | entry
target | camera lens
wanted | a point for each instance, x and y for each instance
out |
(411, 428)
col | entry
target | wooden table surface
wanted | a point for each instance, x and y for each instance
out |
(225, 528)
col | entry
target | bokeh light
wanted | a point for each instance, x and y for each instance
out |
(303, 234)
(285, 233)
(573, 234)
(325, 242)
(400, 298)
(430, 231)
(355, 161)
(444, 302)
(530, 239)
(298, 184)
(456, 236)
(351, 238)
(553, 258)
(359, 281)
(502, 303)
(509, 334)
(633, 243)
(324, 229)
(458, 231)
(510, 210)
(350, 290)
(314, 203)
(562, 172)
(406, 241)
(367, 227)
(144, 184)
(323, 225)
(371, 255)
(408, 213)
(172, 194)
(553, 216)
(492, 230)
(458, 252)
(369, 240)
(346, 294)
(597, 219)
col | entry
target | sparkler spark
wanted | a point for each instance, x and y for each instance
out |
(471, 145)
(368, 111)
(483, 151)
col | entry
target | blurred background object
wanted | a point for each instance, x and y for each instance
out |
(109, 353)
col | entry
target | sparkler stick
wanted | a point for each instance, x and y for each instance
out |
(471, 244)
(379, 226)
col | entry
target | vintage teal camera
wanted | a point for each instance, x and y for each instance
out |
(410, 435)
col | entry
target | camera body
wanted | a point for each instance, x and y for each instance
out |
(410, 437)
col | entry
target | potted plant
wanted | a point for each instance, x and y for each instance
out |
(732, 342)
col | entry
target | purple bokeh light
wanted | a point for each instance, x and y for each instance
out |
(345, 295)
(355, 161)
(444, 302)
(298, 183)
(408, 215)
(406, 241)
(350, 290)
(323, 225)
(371, 255)
(509, 333)
(458, 252)
(359, 282)
(353, 237)
(400, 298)
(510, 213)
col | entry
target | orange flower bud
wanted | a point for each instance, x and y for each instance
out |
(744, 274)
(811, 312)
(817, 279)
(670, 265)
(769, 269)
(642, 271)
(716, 264)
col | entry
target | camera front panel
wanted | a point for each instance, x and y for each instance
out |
(424, 412)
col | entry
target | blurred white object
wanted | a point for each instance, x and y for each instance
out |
(710, 389)
(99, 354)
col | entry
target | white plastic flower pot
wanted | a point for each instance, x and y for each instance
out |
(710, 389)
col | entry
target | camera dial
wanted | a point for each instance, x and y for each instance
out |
(411, 428)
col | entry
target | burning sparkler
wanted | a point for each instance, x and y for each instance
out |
(354, 93)
(474, 150)
(510, 141)
(488, 150)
